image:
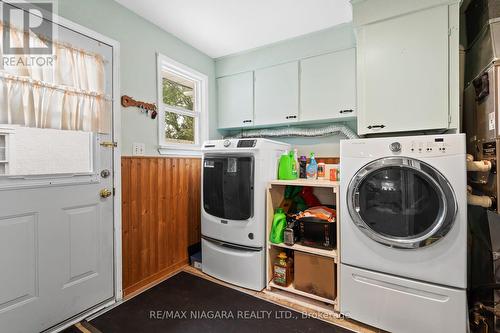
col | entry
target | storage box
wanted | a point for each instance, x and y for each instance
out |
(315, 275)
(196, 260)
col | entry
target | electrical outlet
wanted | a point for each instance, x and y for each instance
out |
(138, 149)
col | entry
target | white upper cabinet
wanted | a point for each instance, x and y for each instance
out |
(277, 94)
(235, 98)
(404, 72)
(328, 86)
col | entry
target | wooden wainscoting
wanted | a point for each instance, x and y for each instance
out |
(160, 216)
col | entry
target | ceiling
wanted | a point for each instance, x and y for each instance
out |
(223, 27)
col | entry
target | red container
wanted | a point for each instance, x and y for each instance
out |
(334, 175)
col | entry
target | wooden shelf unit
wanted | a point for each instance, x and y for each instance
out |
(308, 249)
(307, 182)
(328, 193)
(291, 289)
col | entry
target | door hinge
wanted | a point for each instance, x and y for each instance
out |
(109, 144)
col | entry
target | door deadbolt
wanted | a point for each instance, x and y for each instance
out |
(105, 173)
(105, 193)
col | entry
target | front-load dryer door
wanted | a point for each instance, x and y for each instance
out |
(401, 202)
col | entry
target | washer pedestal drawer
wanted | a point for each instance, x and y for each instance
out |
(401, 305)
(238, 266)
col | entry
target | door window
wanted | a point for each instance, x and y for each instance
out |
(398, 202)
(228, 187)
(401, 202)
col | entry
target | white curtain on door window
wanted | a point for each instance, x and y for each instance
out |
(27, 103)
(78, 68)
(69, 95)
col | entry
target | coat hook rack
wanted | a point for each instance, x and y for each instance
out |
(128, 101)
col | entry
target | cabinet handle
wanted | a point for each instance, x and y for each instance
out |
(246, 121)
(346, 111)
(376, 126)
(291, 117)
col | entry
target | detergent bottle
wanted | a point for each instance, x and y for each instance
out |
(278, 227)
(286, 170)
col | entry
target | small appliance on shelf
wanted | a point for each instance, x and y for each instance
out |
(317, 227)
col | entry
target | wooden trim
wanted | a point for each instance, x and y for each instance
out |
(154, 279)
(326, 160)
(158, 157)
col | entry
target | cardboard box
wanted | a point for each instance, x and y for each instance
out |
(315, 275)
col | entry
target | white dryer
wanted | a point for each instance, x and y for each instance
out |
(404, 233)
(233, 215)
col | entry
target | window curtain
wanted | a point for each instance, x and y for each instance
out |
(69, 95)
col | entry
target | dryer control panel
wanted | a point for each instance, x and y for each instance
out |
(424, 146)
(412, 146)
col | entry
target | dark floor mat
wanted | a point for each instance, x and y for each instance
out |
(187, 303)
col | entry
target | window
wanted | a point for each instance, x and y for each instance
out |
(182, 100)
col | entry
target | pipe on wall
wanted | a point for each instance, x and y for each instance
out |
(479, 200)
(480, 166)
(329, 130)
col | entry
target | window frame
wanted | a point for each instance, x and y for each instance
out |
(200, 112)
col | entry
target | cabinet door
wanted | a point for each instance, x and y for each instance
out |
(235, 95)
(277, 94)
(403, 73)
(328, 86)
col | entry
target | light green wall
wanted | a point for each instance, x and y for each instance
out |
(139, 41)
(339, 37)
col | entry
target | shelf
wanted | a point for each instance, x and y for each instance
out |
(308, 249)
(306, 182)
(291, 289)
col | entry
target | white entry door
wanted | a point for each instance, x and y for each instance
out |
(56, 193)
(56, 234)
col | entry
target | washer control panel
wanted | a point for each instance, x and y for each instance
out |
(231, 144)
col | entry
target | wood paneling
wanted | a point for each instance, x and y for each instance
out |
(160, 216)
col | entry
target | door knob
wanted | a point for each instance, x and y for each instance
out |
(104, 193)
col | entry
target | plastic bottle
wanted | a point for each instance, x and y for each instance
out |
(312, 168)
(278, 227)
(321, 170)
(282, 270)
(303, 165)
(293, 165)
(285, 171)
(296, 161)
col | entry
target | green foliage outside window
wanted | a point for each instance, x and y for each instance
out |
(178, 128)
